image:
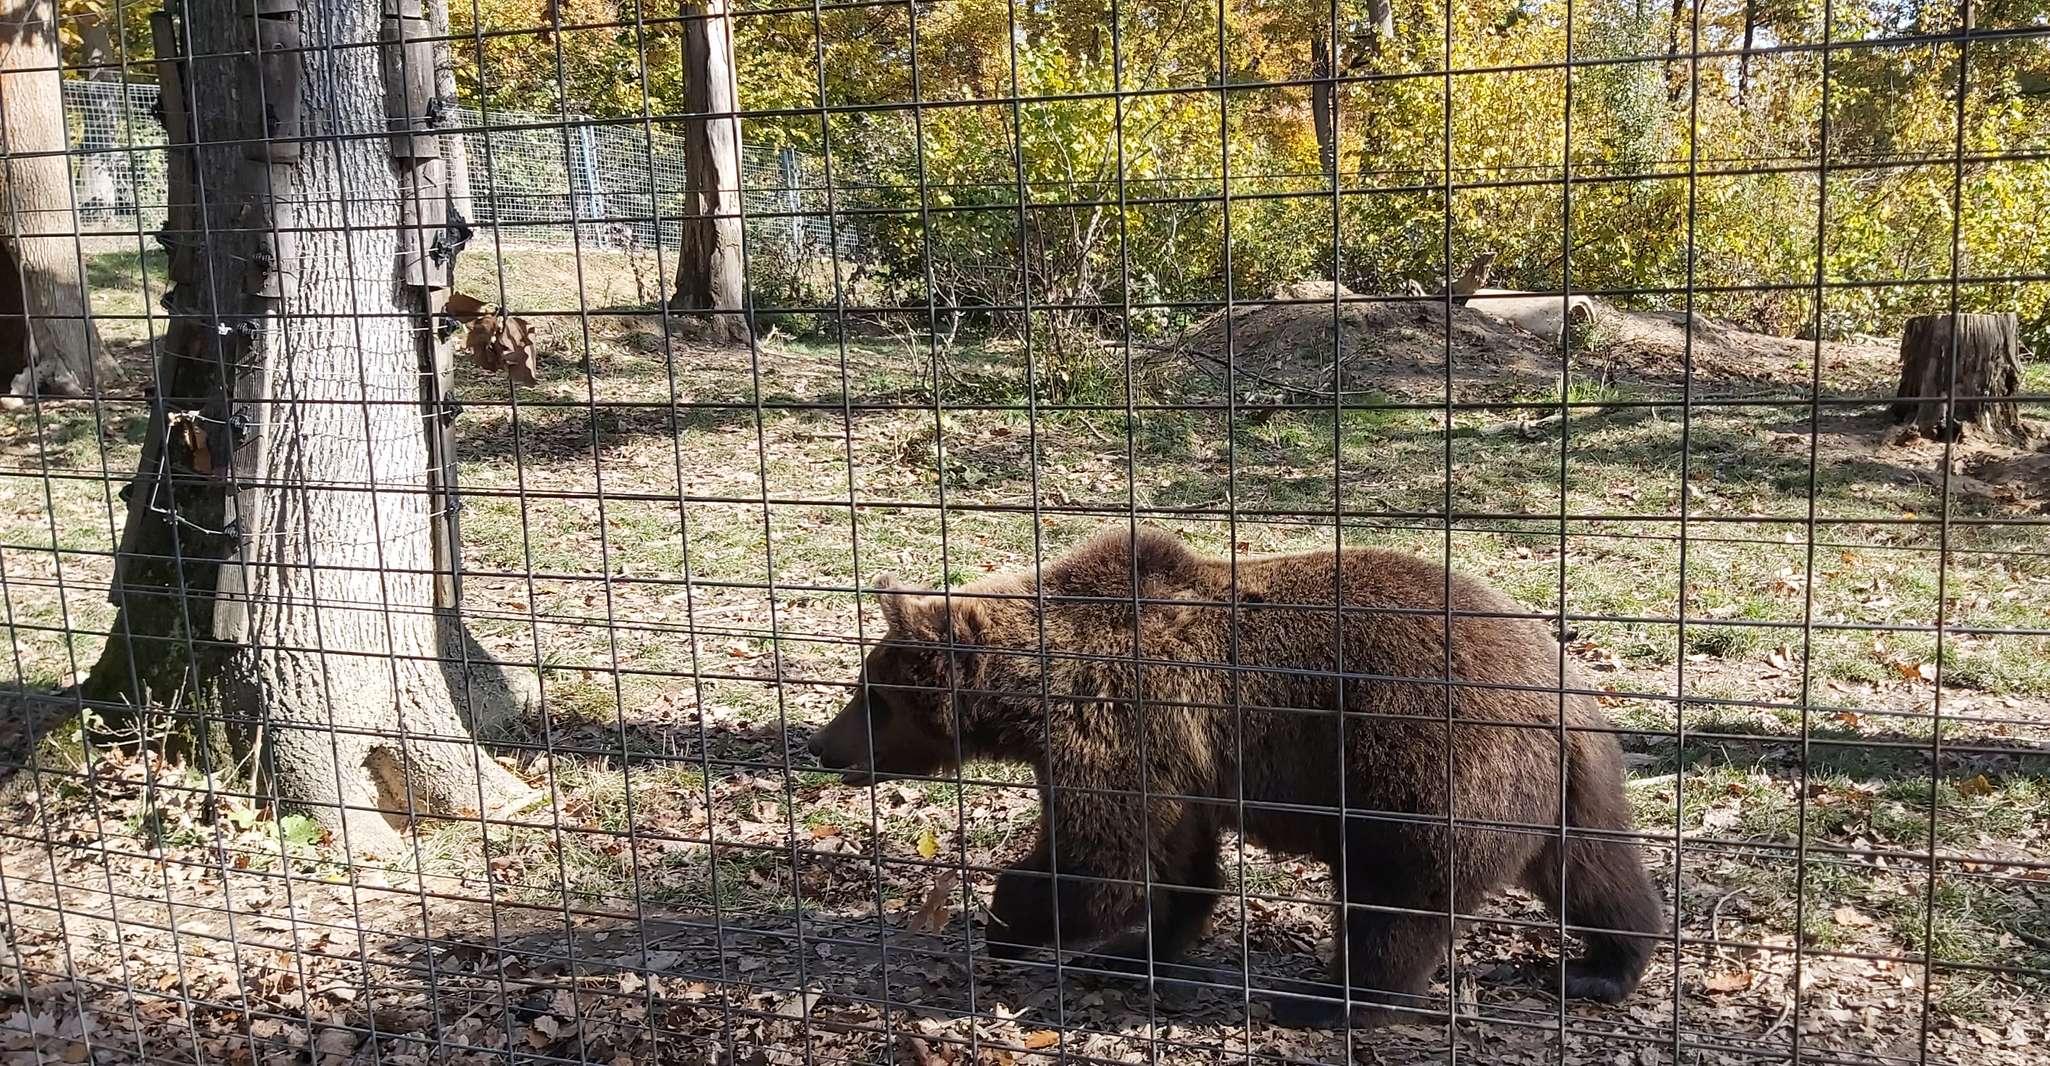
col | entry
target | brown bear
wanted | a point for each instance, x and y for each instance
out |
(1163, 697)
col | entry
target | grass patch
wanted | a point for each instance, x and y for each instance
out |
(1851, 899)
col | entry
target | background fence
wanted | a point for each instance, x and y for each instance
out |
(536, 177)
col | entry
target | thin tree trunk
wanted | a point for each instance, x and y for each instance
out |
(1980, 391)
(38, 228)
(709, 270)
(1676, 71)
(1381, 13)
(104, 192)
(1744, 60)
(326, 611)
(1324, 105)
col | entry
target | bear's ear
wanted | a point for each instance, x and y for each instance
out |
(1159, 552)
(909, 611)
(922, 614)
(901, 604)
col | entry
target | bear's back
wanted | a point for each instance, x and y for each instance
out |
(1277, 672)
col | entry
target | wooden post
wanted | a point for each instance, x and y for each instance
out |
(1981, 389)
(426, 258)
(180, 237)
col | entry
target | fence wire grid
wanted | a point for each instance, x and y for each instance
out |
(962, 534)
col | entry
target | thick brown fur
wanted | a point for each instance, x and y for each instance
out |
(961, 676)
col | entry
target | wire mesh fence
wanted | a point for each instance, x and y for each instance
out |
(1161, 533)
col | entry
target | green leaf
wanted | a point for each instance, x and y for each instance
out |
(299, 830)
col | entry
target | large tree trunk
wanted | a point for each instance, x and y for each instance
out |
(1976, 398)
(325, 610)
(38, 228)
(709, 270)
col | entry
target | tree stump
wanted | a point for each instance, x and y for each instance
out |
(1980, 393)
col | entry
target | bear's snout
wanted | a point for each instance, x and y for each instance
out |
(835, 749)
(822, 748)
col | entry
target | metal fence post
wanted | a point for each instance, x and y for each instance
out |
(786, 168)
(593, 198)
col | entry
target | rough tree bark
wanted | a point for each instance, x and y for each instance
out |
(312, 525)
(1988, 367)
(709, 271)
(38, 228)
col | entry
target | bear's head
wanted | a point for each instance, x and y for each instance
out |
(907, 708)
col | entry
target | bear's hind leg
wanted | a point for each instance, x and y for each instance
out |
(1386, 956)
(1610, 905)
(1395, 928)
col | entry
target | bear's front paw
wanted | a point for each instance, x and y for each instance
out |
(1004, 950)
(1292, 1012)
(1126, 954)
(1021, 913)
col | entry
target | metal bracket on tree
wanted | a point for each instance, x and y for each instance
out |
(272, 147)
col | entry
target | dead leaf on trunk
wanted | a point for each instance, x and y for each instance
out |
(192, 434)
(462, 307)
(496, 341)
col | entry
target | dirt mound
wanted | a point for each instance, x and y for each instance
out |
(1315, 336)
(2016, 481)
(1654, 344)
(1653, 347)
